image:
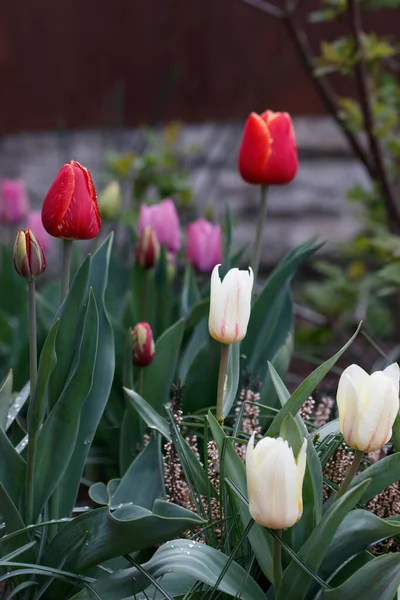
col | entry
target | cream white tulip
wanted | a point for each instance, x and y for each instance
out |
(368, 405)
(274, 482)
(230, 304)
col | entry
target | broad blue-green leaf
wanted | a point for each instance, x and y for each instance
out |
(70, 315)
(14, 523)
(198, 339)
(18, 401)
(359, 530)
(380, 578)
(195, 472)
(111, 534)
(205, 564)
(103, 365)
(148, 414)
(143, 482)
(12, 468)
(5, 398)
(259, 537)
(267, 306)
(190, 291)
(382, 474)
(47, 362)
(202, 378)
(296, 581)
(312, 486)
(306, 388)
(159, 376)
(60, 430)
(195, 561)
(232, 378)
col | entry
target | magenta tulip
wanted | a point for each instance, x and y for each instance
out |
(14, 203)
(36, 225)
(164, 221)
(204, 245)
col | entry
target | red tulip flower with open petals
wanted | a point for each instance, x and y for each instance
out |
(268, 154)
(70, 209)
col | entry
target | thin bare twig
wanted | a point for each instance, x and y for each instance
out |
(362, 79)
(266, 7)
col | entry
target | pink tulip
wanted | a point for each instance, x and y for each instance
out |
(36, 225)
(164, 221)
(204, 246)
(14, 203)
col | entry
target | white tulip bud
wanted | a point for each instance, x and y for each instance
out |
(368, 405)
(230, 305)
(274, 482)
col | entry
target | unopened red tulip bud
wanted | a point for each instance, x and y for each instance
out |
(268, 153)
(147, 251)
(143, 344)
(28, 255)
(70, 209)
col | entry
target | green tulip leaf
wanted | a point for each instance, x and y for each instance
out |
(60, 431)
(306, 388)
(102, 366)
(113, 533)
(69, 331)
(359, 530)
(143, 482)
(148, 414)
(259, 537)
(12, 469)
(5, 398)
(47, 363)
(382, 474)
(380, 578)
(296, 581)
(262, 328)
(232, 378)
(159, 375)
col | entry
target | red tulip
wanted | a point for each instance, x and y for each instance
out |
(143, 344)
(268, 154)
(70, 209)
(204, 248)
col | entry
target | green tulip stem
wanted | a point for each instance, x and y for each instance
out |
(67, 253)
(262, 211)
(223, 365)
(30, 467)
(277, 560)
(358, 454)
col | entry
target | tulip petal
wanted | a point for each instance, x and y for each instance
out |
(375, 422)
(255, 149)
(393, 372)
(349, 405)
(58, 199)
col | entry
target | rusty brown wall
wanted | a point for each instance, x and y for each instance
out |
(93, 63)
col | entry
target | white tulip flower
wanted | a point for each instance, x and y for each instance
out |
(230, 305)
(274, 482)
(368, 405)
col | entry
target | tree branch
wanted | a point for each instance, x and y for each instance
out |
(300, 41)
(266, 7)
(362, 79)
